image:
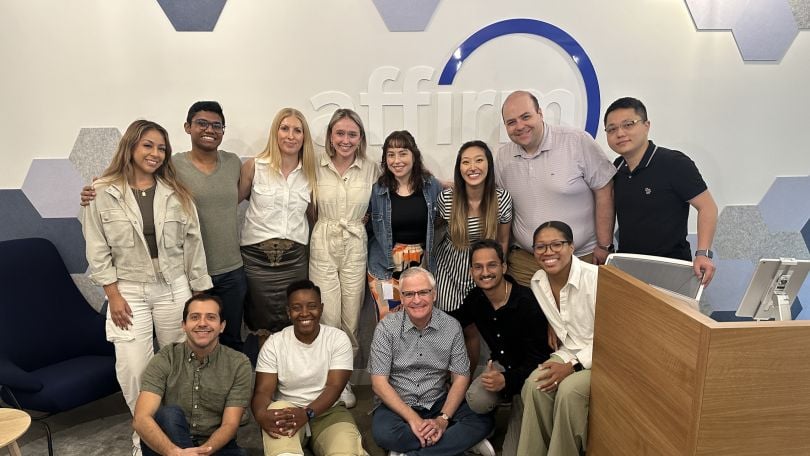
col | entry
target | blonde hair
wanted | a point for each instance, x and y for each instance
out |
(306, 155)
(121, 169)
(344, 113)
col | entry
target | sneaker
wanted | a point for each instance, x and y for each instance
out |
(136, 450)
(348, 397)
(484, 448)
(394, 453)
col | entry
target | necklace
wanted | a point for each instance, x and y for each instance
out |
(143, 190)
(505, 298)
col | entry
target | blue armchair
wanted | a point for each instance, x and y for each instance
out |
(53, 351)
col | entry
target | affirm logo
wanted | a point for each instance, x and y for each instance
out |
(410, 98)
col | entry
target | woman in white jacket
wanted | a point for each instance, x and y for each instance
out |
(143, 246)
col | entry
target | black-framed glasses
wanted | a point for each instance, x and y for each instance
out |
(411, 294)
(204, 124)
(625, 126)
(555, 246)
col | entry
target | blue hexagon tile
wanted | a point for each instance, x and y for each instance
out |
(765, 29)
(728, 285)
(801, 12)
(21, 220)
(742, 234)
(785, 206)
(406, 16)
(193, 15)
(93, 151)
(53, 186)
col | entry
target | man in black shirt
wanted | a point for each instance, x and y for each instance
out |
(508, 318)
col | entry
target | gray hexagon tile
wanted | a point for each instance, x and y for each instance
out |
(93, 151)
(53, 186)
(801, 12)
(765, 29)
(193, 15)
(713, 14)
(92, 292)
(21, 220)
(806, 236)
(742, 234)
(407, 15)
(785, 206)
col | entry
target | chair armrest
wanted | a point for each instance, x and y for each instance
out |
(12, 376)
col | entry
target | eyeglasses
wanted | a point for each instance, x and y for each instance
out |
(625, 126)
(422, 293)
(555, 246)
(204, 124)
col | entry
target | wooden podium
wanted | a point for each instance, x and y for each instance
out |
(668, 380)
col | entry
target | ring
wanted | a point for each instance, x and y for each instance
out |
(555, 382)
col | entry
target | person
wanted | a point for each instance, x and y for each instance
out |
(653, 189)
(300, 374)
(194, 392)
(339, 243)
(474, 208)
(556, 395)
(508, 317)
(275, 236)
(402, 216)
(412, 355)
(553, 172)
(212, 177)
(143, 246)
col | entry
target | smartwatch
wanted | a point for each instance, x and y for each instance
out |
(576, 365)
(704, 252)
(310, 413)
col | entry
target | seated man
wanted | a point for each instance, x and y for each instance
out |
(509, 319)
(556, 396)
(300, 374)
(193, 393)
(412, 354)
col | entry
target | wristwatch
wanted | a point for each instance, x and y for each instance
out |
(704, 252)
(610, 248)
(576, 365)
(445, 417)
(310, 413)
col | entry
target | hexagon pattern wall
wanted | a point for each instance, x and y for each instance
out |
(193, 15)
(406, 16)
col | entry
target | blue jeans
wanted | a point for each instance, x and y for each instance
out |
(466, 429)
(231, 287)
(172, 422)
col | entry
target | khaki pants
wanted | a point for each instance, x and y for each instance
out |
(332, 433)
(555, 423)
(522, 265)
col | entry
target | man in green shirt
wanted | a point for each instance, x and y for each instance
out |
(193, 393)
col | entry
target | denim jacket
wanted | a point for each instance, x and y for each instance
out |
(381, 243)
(116, 248)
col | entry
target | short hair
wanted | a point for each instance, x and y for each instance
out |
(203, 297)
(535, 102)
(299, 285)
(340, 114)
(627, 103)
(211, 106)
(487, 244)
(417, 270)
(562, 227)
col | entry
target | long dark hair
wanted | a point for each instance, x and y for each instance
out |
(403, 139)
(489, 203)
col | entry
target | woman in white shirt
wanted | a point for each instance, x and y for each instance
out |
(279, 182)
(557, 394)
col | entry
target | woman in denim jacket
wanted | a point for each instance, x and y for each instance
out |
(143, 246)
(403, 210)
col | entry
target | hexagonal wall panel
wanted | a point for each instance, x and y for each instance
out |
(21, 220)
(93, 151)
(785, 206)
(713, 14)
(406, 16)
(742, 234)
(53, 186)
(801, 12)
(193, 15)
(765, 29)
(92, 292)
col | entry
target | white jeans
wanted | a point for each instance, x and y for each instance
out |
(158, 305)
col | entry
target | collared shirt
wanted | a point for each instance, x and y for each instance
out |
(555, 183)
(573, 321)
(515, 333)
(417, 362)
(278, 205)
(652, 202)
(202, 388)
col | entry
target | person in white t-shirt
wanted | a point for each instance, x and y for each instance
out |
(300, 374)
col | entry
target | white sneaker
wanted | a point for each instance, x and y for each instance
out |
(394, 453)
(348, 397)
(484, 448)
(136, 450)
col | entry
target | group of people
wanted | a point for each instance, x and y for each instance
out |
(162, 237)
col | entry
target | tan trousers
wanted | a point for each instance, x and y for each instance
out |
(333, 433)
(555, 423)
(522, 265)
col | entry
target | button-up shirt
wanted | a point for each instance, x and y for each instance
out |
(417, 362)
(201, 387)
(573, 321)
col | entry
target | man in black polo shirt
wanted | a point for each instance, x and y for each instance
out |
(653, 189)
(509, 319)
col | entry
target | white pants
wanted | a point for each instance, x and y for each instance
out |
(158, 305)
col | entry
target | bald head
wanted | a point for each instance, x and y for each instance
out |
(523, 120)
